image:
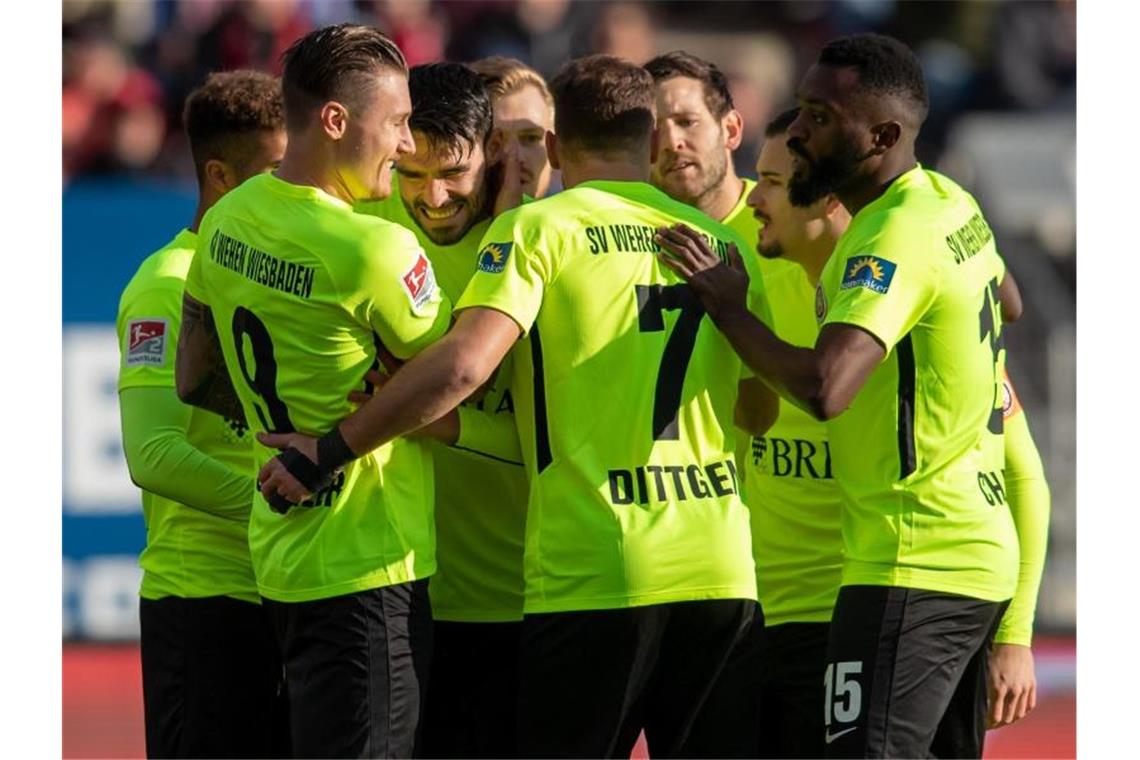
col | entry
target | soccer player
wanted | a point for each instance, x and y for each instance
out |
(766, 703)
(698, 128)
(523, 113)
(638, 567)
(298, 290)
(443, 196)
(209, 662)
(907, 371)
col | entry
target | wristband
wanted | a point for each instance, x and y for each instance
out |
(332, 452)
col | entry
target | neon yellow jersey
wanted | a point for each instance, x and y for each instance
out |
(741, 220)
(786, 474)
(301, 288)
(189, 552)
(624, 399)
(922, 481)
(480, 500)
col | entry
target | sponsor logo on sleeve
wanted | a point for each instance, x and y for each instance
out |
(493, 257)
(419, 283)
(870, 272)
(146, 342)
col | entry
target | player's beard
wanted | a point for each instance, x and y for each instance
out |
(771, 251)
(824, 175)
(715, 169)
(475, 203)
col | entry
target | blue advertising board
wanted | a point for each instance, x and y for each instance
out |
(109, 227)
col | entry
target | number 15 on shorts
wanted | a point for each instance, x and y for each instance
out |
(843, 696)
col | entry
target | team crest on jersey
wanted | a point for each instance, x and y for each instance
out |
(820, 303)
(870, 272)
(1009, 403)
(146, 342)
(419, 283)
(493, 257)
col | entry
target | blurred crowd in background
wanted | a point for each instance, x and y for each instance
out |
(1001, 77)
(128, 64)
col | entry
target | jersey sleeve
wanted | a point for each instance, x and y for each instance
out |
(147, 328)
(195, 285)
(395, 292)
(163, 461)
(517, 259)
(882, 289)
(1027, 493)
(492, 435)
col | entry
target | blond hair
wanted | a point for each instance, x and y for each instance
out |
(505, 76)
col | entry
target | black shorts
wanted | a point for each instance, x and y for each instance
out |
(766, 702)
(728, 722)
(590, 681)
(791, 690)
(212, 683)
(906, 673)
(355, 667)
(470, 710)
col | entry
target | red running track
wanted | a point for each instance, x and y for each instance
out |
(102, 705)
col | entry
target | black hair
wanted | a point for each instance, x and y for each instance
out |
(885, 66)
(681, 64)
(603, 104)
(334, 63)
(780, 124)
(224, 115)
(450, 106)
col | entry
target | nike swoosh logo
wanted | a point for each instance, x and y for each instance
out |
(829, 737)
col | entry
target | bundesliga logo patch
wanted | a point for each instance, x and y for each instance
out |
(493, 258)
(146, 342)
(419, 283)
(868, 272)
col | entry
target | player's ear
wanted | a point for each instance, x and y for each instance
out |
(552, 151)
(220, 176)
(884, 136)
(334, 119)
(733, 124)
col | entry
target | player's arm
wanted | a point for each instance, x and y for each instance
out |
(1013, 684)
(199, 369)
(823, 381)
(757, 407)
(162, 460)
(427, 387)
(464, 427)
(1010, 296)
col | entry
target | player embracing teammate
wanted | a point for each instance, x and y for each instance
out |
(632, 531)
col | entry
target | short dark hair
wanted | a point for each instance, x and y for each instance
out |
(603, 104)
(333, 63)
(678, 63)
(780, 124)
(450, 106)
(885, 66)
(227, 110)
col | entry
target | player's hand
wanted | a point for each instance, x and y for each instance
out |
(511, 188)
(1012, 684)
(279, 487)
(721, 286)
(376, 378)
